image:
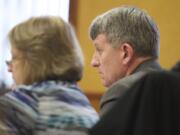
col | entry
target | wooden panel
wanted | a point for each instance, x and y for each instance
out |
(94, 99)
(73, 12)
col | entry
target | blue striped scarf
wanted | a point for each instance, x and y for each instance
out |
(48, 106)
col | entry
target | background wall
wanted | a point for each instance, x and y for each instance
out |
(166, 14)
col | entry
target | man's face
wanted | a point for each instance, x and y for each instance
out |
(108, 61)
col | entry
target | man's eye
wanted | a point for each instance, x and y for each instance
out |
(99, 51)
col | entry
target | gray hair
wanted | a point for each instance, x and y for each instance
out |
(131, 25)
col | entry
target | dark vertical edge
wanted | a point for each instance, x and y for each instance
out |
(73, 13)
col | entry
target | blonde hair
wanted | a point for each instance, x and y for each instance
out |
(50, 49)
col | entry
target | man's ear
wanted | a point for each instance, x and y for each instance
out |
(128, 52)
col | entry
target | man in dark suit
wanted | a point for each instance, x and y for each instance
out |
(176, 67)
(126, 41)
(150, 107)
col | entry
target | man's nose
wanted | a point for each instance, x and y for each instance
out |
(94, 61)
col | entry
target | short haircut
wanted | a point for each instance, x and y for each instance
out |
(128, 24)
(50, 49)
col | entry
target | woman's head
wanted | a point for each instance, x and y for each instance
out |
(45, 48)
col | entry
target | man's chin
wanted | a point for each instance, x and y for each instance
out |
(105, 84)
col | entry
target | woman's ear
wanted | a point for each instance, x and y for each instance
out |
(128, 52)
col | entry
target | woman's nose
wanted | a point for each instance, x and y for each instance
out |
(9, 66)
(9, 69)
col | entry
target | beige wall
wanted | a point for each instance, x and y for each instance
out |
(166, 13)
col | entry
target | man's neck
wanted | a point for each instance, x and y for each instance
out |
(135, 63)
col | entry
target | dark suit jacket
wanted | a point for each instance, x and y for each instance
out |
(150, 107)
(121, 86)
